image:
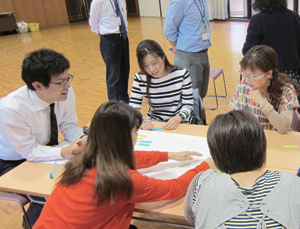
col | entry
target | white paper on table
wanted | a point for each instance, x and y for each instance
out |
(153, 140)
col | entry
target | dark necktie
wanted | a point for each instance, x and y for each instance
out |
(54, 131)
(122, 26)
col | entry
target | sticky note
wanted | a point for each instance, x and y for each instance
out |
(54, 170)
(290, 146)
(157, 128)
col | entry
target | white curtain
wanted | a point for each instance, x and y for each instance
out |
(217, 9)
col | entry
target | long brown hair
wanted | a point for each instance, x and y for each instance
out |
(264, 58)
(146, 47)
(109, 148)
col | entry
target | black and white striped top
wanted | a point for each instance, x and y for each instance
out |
(256, 194)
(169, 95)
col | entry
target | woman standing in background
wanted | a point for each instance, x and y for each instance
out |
(278, 27)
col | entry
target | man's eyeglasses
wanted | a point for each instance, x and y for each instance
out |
(68, 80)
(251, 78)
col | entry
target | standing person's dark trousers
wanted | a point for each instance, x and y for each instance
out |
(115, 53)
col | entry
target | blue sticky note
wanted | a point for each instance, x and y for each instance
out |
(54, 170)
(157, 128)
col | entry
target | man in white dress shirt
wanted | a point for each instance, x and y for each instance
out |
(108, 18)
(25, 126)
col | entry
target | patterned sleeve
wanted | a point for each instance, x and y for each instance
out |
(234, 102)
(187, 96)
(289, 100)
(190, 199)
(136, 97)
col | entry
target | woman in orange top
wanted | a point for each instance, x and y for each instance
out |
(100, 186)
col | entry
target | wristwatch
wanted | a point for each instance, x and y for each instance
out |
(181, 116)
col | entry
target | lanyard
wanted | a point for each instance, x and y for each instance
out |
(114, 7)
(203, 17)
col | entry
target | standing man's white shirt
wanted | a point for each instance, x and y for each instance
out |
(25, 125)
(102, 14)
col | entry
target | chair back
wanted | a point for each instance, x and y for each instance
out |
(22, 201)
(295, 125)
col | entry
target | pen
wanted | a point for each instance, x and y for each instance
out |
(80, 143)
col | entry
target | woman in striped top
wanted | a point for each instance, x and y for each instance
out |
(243, 194)
(167, 88)
(269, 95)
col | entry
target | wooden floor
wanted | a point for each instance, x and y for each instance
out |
(81, 47)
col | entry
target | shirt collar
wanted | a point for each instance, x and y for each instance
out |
(38, 103)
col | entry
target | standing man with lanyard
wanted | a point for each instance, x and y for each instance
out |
(187, 30)
(108, 18)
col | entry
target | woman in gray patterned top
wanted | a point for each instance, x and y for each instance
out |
(243, 194)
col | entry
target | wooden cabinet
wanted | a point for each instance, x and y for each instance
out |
(44, 12)
(78, 10)
(132, 8)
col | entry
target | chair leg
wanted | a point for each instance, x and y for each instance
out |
(26, 217)
(224, 85)
(216, 96)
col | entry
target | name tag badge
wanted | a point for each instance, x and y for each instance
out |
(117, 21)
(205, 34)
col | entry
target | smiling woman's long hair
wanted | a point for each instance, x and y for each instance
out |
(109, 148)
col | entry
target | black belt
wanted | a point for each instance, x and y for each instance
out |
(204, 50)
(112, 35)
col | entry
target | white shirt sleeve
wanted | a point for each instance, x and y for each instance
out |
(20, 142)
(95, 13)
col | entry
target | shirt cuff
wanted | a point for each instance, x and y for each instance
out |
(55, 153)
(163, 156)
(202, 167)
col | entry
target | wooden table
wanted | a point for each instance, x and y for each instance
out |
(33, 178)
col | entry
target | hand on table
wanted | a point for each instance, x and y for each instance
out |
(173, 123)
(183, 156)
(256, 97)
(147, 125)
